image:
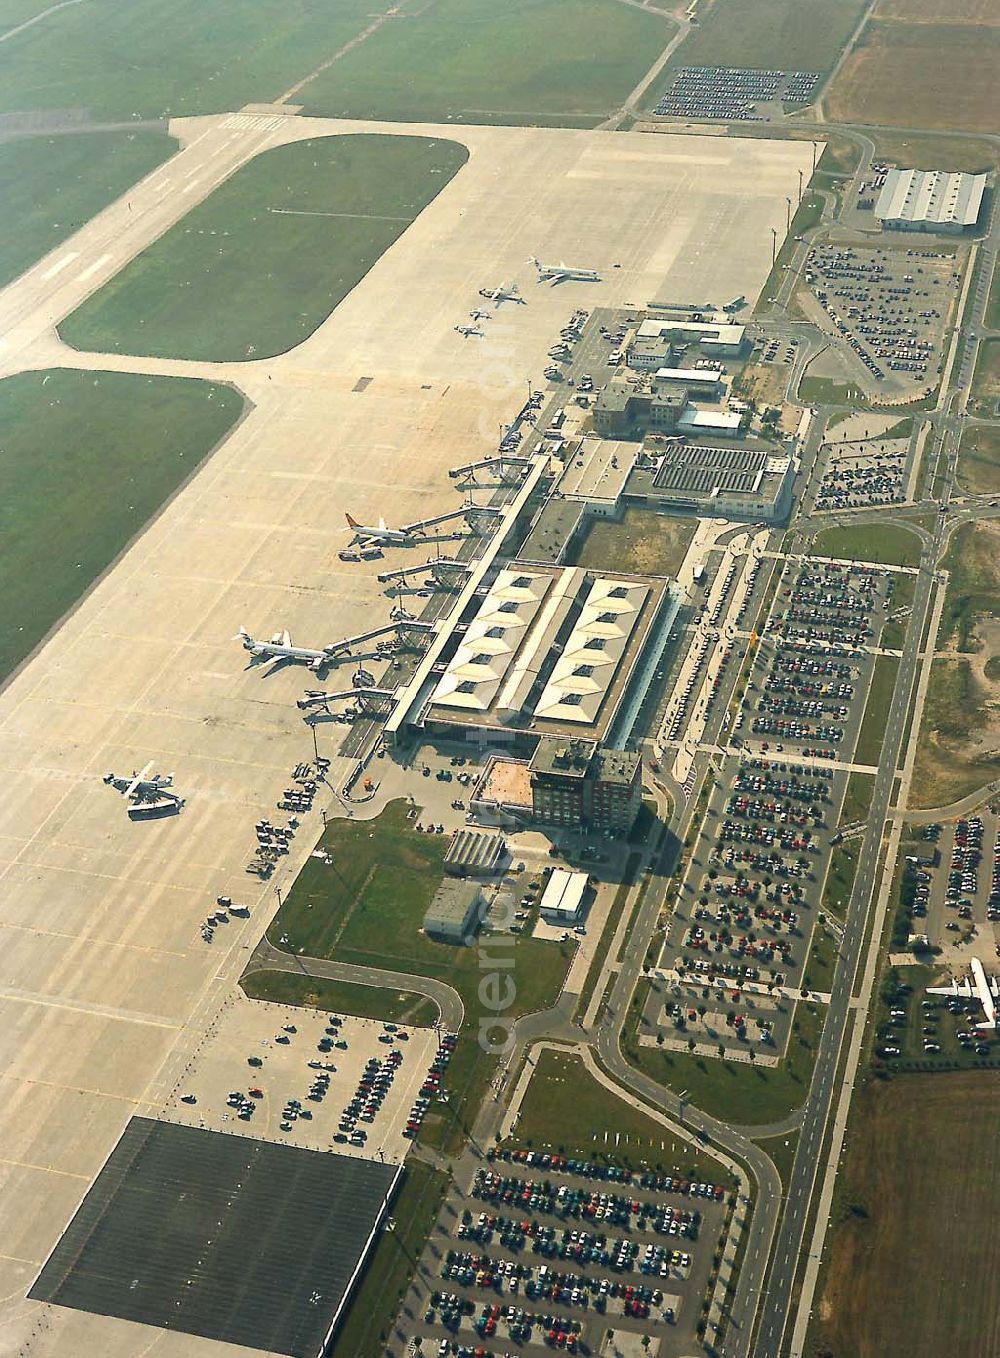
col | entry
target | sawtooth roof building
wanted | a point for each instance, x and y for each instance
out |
(930, 200)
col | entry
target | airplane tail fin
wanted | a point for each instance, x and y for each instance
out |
(352, 523)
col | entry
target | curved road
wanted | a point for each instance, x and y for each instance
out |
(266, 957)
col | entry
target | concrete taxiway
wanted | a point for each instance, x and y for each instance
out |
(106, 985)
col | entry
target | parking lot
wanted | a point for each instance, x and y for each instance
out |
(306, 1078)
(738, 944)
(544, 1252)
(863, 472)
(891, 306)
(732, 93)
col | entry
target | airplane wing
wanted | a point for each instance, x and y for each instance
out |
(137, 779)
(381, 524)
(959, 989)
(286, 640)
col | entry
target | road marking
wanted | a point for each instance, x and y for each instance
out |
(60, 264)
(188, 187)
(82, 1007)
(92, 269)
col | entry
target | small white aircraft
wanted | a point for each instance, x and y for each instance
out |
(469, 330)
(397, 537)
(478, 315)
(980, 987)
(146, 795)
(506, 292)
(280, 648)
(563, 273)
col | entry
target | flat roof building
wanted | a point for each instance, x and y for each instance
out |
(930, 200)
(475, 855)
(579, 784)
(714, 337)
(743, 481)
(456, 912)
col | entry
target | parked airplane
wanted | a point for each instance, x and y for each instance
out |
(981, 987)
(563, 273)
(479, 315)
(146, 795)
(393, 536)
(506, 292)
(280, 648)
(468, 330)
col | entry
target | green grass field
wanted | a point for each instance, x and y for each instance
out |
(51, 186)
(87, 459)
(15, 12)
(737, 1091)
(884, 544)
(827, 391)
(566, 1110)
(316, 992)
(984, 398)
(857, 798)
(568, 62)
(979, 459)
(787, 35)
(253, 270)
(876, 710)
(148, 60)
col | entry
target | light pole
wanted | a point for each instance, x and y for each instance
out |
(788, 215)
(800, 182)
(774, 246)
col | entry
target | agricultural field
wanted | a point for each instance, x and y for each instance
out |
(979, 460)
(884, 544)
(938, 76)
(148, 60)
(253, 270)
(474, 61)
(918, 152)
(799, 35)
(87, 460)
(915, 1247)
(51, 186)
(653, 544)
(939, 11)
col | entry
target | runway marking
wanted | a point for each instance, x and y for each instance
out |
(163, 184)
(188, 187)
(82, 1007)
(87, 938)
(92, 269)
(41, 1169)
(61, 264)
(357, 216)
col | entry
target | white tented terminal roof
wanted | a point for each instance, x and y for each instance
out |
(493, 638)
(931, 196)
(590, 658)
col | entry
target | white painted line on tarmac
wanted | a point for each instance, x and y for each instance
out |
(60, 265)
(92, 269)
(188, 187)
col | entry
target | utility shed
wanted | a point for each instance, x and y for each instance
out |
(455, 913)
(474, 855)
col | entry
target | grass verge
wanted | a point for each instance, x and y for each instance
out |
(317, 992)
(880, 692)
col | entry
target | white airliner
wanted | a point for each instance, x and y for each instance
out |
(393, 536)
(506, 292)
(145, 794)
(980, 987)
(563, 273)
(280, 648)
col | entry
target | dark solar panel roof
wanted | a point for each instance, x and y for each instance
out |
(219, 1235)
(700, 470)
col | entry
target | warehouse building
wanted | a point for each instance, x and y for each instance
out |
(475, 855)
(931, 200)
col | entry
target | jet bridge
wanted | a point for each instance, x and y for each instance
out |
(438, 566)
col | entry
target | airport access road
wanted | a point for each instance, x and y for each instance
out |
(825, 1085)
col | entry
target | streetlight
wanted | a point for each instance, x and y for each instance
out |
(774, 246)
(800, 181)
(788, 215)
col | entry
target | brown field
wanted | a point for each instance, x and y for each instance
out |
(914, 1255)
(941, 77)
(939, 11)
(650, 543)
(918, 152)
